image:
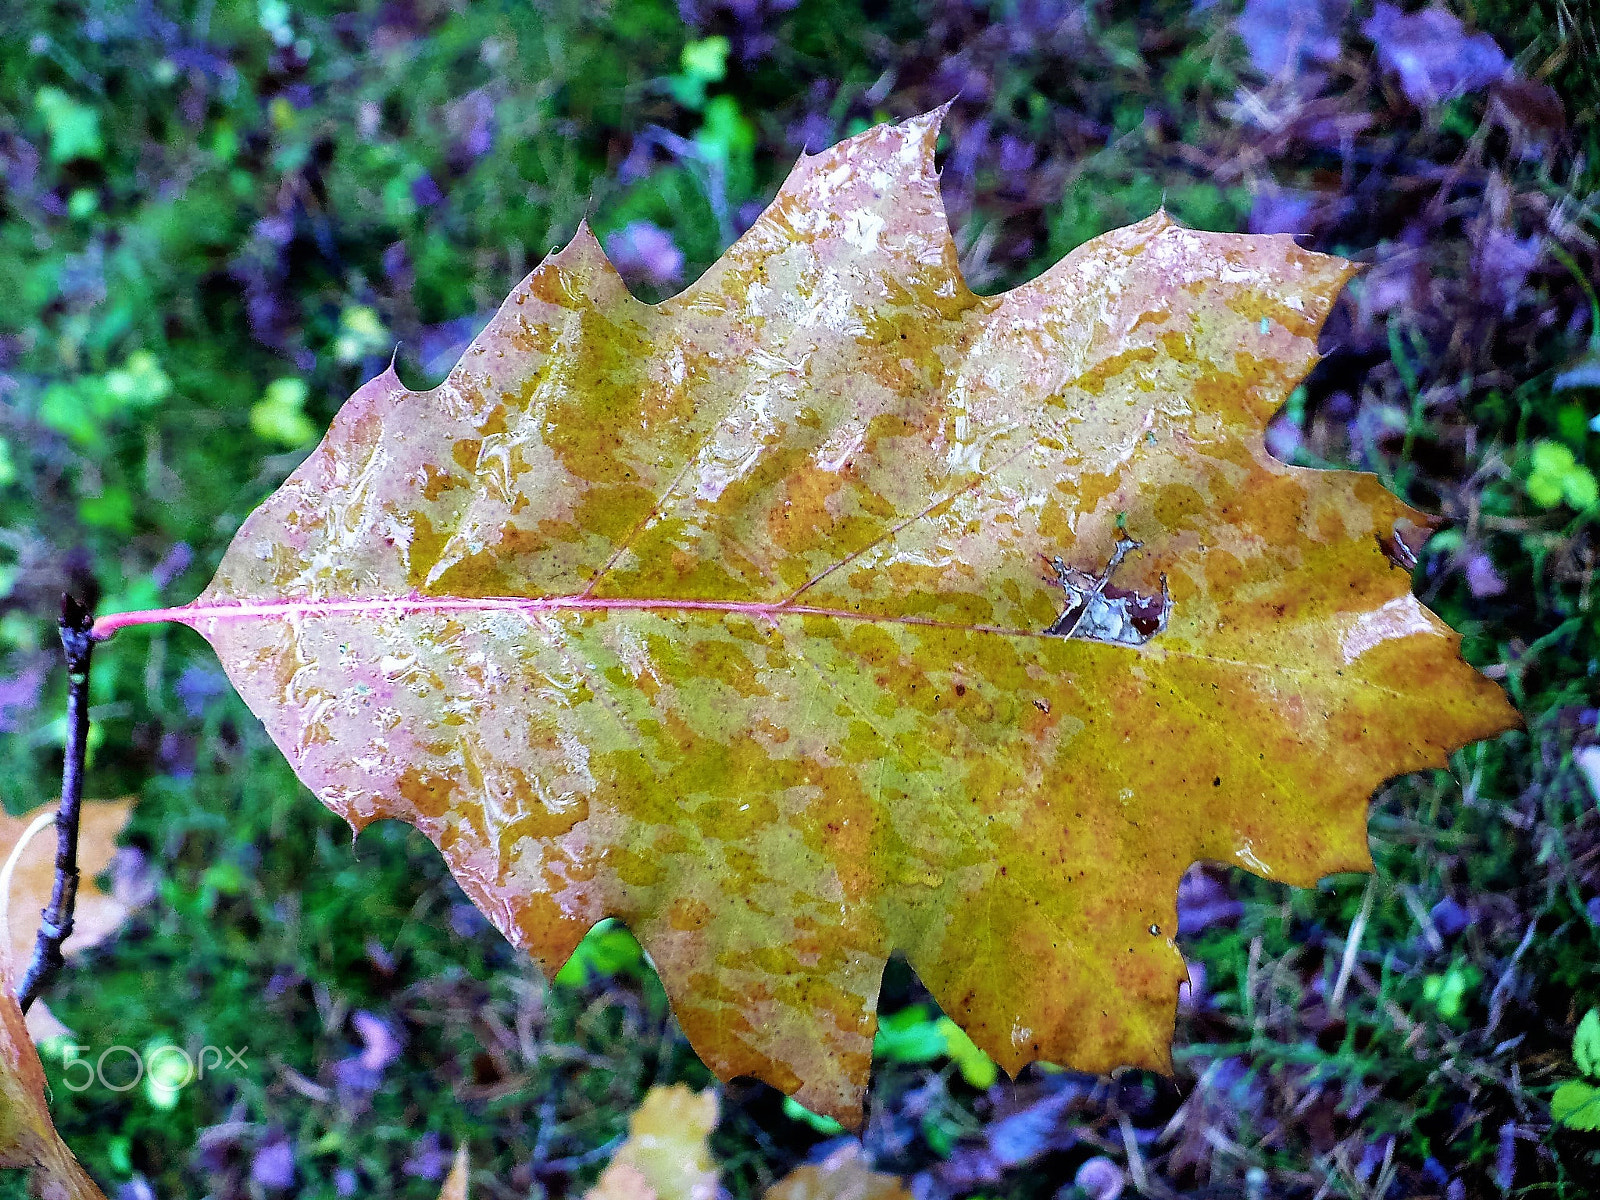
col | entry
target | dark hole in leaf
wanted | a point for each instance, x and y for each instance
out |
(1100, 611)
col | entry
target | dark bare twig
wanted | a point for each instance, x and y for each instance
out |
(76, 619)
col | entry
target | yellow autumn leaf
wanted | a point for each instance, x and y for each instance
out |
(666, 1155)
(829, 609)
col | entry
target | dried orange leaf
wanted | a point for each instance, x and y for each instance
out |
(97, 914)
(843, 1175)
(28, 1138)
(666, 1155)
(828, 609)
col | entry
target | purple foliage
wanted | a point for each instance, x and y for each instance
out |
(173, 564)
(272, 1166)
(1291, 33)
(1483, 581)
(1278, 210)
(428, 1159)
(1024, 1136)
(1449, 917)
(1501, 263)
(1505, 1158)
(747, 22)
(1432, 53)
(20, 694)
(198, 686)
(381, 1045)
(645, 253)
(425, 192)
(470, 122)
(1203, 901)
(1100, 1179)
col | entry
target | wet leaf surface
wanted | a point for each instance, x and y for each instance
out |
(740, 618)
(1432, 53)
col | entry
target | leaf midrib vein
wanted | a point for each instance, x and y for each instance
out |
(195, 613)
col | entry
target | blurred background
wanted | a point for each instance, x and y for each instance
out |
(219, 217)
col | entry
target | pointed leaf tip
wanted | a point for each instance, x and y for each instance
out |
(455, 1184)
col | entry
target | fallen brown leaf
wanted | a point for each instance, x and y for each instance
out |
(98, 914)
(28, 1139)
(843, 1175)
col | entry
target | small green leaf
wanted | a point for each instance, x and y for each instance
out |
(82, 204)
(69, 408)
(727, 135)
(168, 1070)
(111, 509)
(939, 1135)
(119, 1153)
(1577, 1106)
(704, 62)
(796, 1111)
(139, 383)
(1558, 476)
(606, 950)
(706, 59)
(361, 333)
(1580, 488)
(1545, 490)
(74, 128)
(1586, 1043)
(1552, 457)
(1572, 422)
(976, 1067)
(279, 415)
(911, 1035)
(1447, 992)
(915, 1035)
(225, 878)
